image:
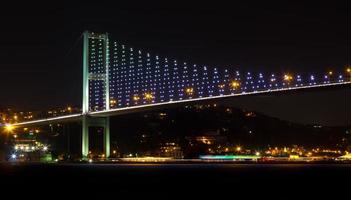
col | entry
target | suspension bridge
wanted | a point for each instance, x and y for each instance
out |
(118, 79)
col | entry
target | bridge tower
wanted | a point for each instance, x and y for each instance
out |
(95, 74)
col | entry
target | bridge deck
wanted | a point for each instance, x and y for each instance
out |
(126, 110)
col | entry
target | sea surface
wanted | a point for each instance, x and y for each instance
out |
(100, 180)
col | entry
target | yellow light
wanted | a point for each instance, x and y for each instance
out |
(69, 108)
(15, 117)
(148, 96)
(287, 77)
(189, 91)
(294, 156)
(221, 86)
(147, 159)
(234, 84)
(9, 128)
(136, 98)
(258, 153)
(238, 148)
(330, 73)
(348, 70)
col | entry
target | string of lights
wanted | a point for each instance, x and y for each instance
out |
(141, 78)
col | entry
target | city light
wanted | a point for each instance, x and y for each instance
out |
(9, 128)
(13, 156)
(147, 159)
(231, 157)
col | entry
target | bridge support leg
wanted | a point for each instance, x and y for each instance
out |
(107, 137)
(85, 137)
(88, 122)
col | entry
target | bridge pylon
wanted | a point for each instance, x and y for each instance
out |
(95, 72)
(100, 122)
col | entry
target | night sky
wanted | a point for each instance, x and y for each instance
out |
(40, 51)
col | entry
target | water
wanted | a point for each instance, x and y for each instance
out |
(177, 179)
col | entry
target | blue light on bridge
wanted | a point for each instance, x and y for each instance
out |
(139, 78)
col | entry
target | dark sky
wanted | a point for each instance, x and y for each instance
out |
(40, 59)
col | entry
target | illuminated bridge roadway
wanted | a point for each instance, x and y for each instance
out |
(118, 79)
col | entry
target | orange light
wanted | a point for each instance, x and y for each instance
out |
(9, 128)
(136, 98)
(189, 91)
(234, 84)
(148, 96)
(288, 77)
(221, 86)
